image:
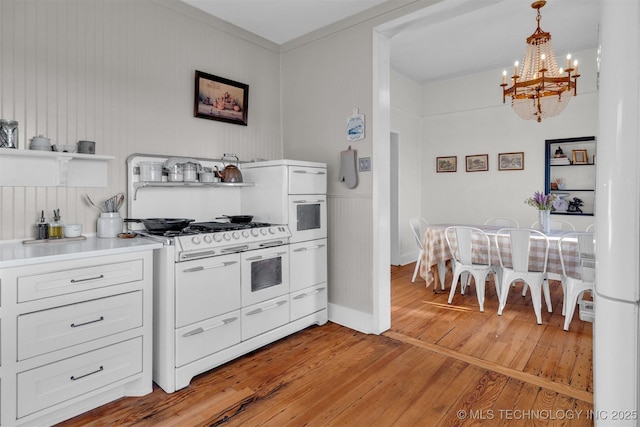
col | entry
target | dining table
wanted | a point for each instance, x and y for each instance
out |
(436, 251)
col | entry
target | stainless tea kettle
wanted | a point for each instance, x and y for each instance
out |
(230, 173)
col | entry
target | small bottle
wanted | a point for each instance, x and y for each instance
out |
(42, 228)
(55, 227)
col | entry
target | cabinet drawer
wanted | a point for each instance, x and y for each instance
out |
(196, 341)
(308, 264)
(79, 279)
(206, 288)
(308, 301)
(307, 180)
(57, 382)
(264, 316)
(49, 330)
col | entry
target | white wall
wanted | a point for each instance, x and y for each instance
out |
(406, 107)
(317, 131)
(121, 73)
(466, 116)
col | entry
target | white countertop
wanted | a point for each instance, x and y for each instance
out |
(16, 253)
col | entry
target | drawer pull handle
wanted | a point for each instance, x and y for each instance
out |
(88, 278)
(309, 248)
(304, 295)
(269, 307)
(74, 378)
(73, 325)
(276, 255)
(202, 268)
(215, 325)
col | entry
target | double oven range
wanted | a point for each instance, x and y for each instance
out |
(223, 289)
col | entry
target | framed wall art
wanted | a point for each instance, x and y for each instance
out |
(447, 164)
(579, 157)
(511, 161)
(217, 98)
(477, 162)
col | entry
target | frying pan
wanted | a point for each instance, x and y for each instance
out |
(163, 224)
(238, 218)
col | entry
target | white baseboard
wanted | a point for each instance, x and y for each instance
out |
(350, 318)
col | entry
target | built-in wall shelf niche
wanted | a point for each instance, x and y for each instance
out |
(32, 168)
(570, 172)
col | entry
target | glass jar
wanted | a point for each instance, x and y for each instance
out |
(56, 230)
(175, 173)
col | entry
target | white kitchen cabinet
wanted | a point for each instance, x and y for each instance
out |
(76, 333)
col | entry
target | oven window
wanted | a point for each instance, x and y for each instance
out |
(266, 273)
(308, 217)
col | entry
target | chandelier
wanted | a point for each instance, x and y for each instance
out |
(540, 89)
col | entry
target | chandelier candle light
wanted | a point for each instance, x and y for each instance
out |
(540, 89)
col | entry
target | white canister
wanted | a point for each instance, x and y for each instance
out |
(150, 171)
(189, 172)
(110, 224)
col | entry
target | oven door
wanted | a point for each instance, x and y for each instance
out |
(265, 274)
(307, 217)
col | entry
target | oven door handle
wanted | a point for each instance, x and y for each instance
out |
(208, 328)
(276, 255)
(271, 244)
(309, 248)
(201, 267)
(235, 249)
(269, 307)
(309, 201)
(305, 171)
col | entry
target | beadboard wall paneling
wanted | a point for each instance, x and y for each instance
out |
(121, 73)
(350, 251)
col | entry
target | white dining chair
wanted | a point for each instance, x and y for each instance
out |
(461, 243)
(418, 227)
(517, 242)
(579, 280)
(556, 224)
(502, 222)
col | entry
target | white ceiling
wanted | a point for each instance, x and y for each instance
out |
(451, 38)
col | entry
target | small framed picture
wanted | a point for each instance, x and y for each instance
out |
(511, 161)
(477, 163)
(579, 157)
(217, 98)
(447, 164)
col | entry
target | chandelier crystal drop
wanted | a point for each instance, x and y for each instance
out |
(540, 89)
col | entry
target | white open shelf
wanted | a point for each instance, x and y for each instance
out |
(32, 168)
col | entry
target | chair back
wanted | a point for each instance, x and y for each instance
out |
(520, 243)
(502, 222)
(462, 248)
(582, 242)
(589, 227)
(418, 226)
(556, 224)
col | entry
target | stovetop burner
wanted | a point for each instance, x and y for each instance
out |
(210, 227)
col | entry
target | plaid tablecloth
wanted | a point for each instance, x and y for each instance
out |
(437, 250)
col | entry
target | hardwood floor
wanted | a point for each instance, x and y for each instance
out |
(439, 365)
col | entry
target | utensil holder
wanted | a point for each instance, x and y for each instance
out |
(110, 224)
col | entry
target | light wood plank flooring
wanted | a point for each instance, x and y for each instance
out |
(439, 365)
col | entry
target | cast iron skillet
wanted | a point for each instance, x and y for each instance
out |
(163, 224)
(238, 218)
